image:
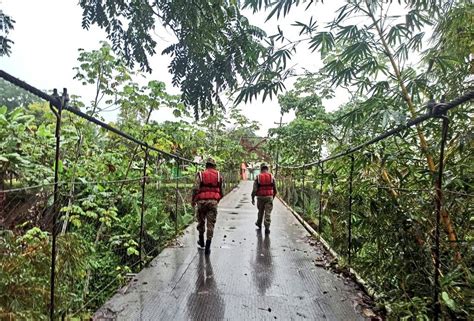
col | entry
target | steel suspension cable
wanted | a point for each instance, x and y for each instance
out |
(56, 103)
(437, 110)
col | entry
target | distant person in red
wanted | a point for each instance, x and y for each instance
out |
(243, 171)
(207, 193)
(264, 187)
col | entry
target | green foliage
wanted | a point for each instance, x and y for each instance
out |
(215, 47)
(25, 268)
(392, 220)
(13, 97)
(101, 69)
(450, 59)
(373, 62)
(300, 140)
(100, 190)
(215, 44)
(364, 57)
(6, 25)
(18, 153)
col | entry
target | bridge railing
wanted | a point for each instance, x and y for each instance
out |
(391, 223)
(100, 205)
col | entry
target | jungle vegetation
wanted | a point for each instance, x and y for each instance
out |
(390, 64)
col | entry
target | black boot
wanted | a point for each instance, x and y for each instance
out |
(201, 240)
(207, 251)
(267, 229)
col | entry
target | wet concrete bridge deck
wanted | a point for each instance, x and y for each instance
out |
(248, 276)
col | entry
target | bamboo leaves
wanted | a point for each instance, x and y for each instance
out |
(324, 41)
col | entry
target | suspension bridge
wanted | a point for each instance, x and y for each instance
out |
(290, 274)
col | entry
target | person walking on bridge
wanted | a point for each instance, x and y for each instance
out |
(207, 193)
(264, 187)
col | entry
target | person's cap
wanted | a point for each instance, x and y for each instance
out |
(263, 166)
(211, 161)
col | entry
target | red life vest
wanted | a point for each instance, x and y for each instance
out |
(265, 184)
(210, 185)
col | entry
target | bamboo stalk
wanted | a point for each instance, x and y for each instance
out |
(411, 108)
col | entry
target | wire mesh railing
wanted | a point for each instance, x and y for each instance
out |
(347, 197)
(97, 209)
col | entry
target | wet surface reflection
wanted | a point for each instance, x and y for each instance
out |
(262, 266)
(247, 276)
(205, 302)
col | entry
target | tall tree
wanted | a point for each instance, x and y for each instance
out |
(108, 74)
(301, 140)
(215, 44)
(371, 48)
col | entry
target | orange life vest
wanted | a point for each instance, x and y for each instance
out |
(265, 184)
(210, 185)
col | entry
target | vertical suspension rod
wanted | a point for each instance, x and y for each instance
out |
(58, 114)
(321, 200)
(302, 191)
(349, 219)
(176, 199)
(143, 183)
(439, 204)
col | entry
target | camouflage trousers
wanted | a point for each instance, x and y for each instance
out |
(265, 207)
(206, 213)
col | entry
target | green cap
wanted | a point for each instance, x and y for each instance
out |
(210, 161)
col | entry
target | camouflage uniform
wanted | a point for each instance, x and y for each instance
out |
(206, 210)
(264, 205)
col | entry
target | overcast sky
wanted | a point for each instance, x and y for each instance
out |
(48, 33)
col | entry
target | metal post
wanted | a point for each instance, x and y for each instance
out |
(290, 192)
(321, 200)
(293, 202)
(302, 190)
(278, 149)
(176, 199)
(349, 219)
(144, 179)
(439, 204)
(57, 113)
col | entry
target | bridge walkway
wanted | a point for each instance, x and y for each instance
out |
(248, 276)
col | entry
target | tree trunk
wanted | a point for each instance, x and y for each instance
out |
(411, 108)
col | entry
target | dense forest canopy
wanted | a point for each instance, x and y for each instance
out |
(391, 57)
